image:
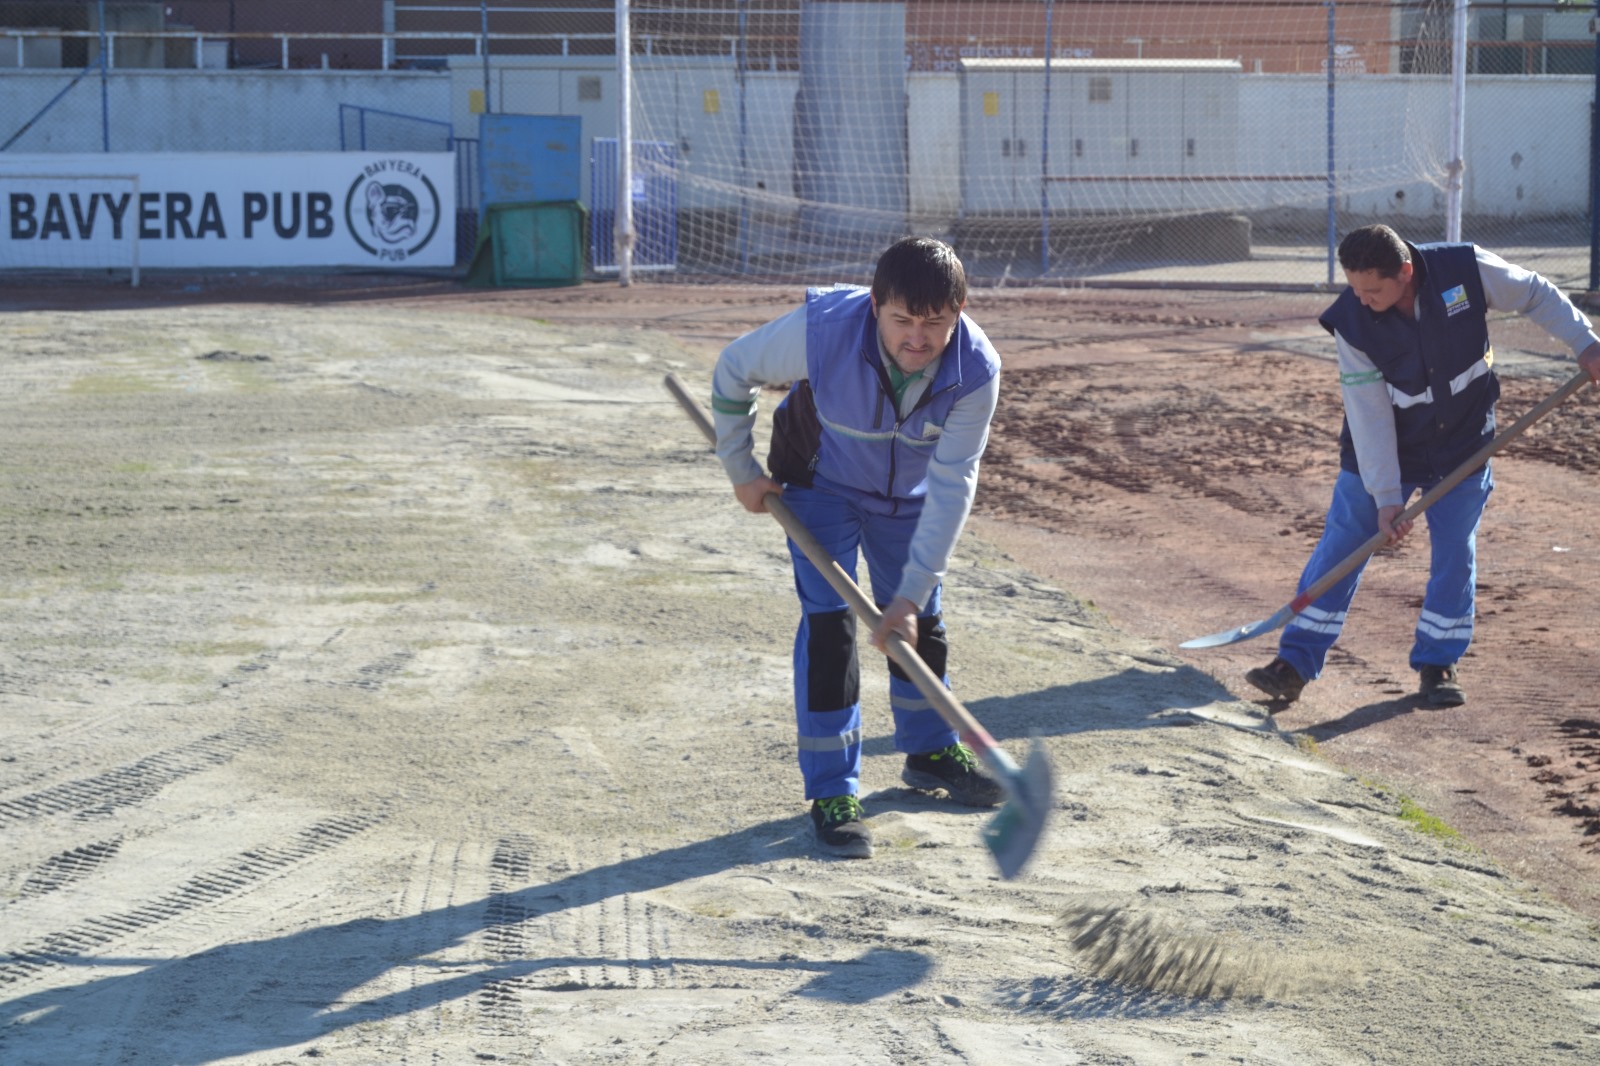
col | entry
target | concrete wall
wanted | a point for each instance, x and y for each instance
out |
(1527, 147)
(206, 111)
(1527, 142)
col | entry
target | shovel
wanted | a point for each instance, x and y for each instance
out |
(1013, 832)
(1426, 500)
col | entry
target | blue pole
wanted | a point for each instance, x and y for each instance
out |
(483, 13)
(1044, 148)
(1333, 225)
(1594, 168)
(744, 128)
(105, 97)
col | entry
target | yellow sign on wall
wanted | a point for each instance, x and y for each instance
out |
(711, 101)
(991, 104)
(475, 101)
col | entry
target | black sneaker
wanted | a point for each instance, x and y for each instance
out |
(1441, 686)
(955, 770)
(1278, 680)
(840, 830)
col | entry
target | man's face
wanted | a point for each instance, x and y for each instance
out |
(1378, 293)
(913, 341)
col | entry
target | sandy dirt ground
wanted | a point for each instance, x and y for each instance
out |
(389, 676)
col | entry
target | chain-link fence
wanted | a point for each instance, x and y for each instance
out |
(1194, 140)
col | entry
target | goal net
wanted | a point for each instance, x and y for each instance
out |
(69, 223)
(1047, 138)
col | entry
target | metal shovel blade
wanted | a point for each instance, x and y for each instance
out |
(1241, 633)
(1013, 833)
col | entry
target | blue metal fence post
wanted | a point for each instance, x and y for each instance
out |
(1594, 160)
(1044, 147)
(743, 62)
(1333, 224)
(483, 16)
(105, 94)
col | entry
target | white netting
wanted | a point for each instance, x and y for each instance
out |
(1052, 138)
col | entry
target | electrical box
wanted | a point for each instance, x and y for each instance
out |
(1095, 135)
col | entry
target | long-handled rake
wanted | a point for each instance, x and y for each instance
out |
(1013, 832)
(1376, 541)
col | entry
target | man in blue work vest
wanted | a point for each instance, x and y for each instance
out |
(874, 449)
(1417, 373)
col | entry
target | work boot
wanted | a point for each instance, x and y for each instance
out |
(1441, 686)
(1278, 680)
(955, 770)
(840, 830)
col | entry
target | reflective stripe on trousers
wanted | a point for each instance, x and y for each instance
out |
(826, 669)
(1444, 629)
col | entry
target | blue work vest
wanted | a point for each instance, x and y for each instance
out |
(1439, 367)
(842, 420)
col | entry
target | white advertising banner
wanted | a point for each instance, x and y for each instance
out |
(238, 210)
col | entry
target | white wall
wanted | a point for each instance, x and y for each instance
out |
(1387, 130)
(1530, 153)
(1527, 143)
(934, 160)
(207, 111)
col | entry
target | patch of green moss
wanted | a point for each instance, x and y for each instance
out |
(1428, 824)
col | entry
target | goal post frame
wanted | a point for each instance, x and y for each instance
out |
(131, 236)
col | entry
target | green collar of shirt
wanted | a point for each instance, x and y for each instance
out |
(899, 380)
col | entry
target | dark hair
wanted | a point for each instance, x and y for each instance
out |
(922, 273)
(1374, 248)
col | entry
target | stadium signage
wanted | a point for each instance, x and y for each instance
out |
(334, 209)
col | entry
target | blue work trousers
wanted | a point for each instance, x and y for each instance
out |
(826, 669)
(1444, 629)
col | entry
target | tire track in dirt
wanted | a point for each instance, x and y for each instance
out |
(132, 783)
(240, 873)
(65, 868)
(426, 900)
(57, 746)
(505, 933)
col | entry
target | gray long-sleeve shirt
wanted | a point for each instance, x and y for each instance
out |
(775, 354)
(1369, 406)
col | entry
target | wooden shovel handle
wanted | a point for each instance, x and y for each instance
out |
(1451, 480)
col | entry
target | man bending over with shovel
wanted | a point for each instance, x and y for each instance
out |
(875, 448)
(1417, 373)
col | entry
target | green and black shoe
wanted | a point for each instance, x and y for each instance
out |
(953, 770)
(840, 830)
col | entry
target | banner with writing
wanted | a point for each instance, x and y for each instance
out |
(238, 210)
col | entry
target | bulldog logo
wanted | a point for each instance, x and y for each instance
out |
(392, 209)
(391, 212)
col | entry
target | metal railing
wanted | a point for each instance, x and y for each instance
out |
(199, 39)
(1484, 56)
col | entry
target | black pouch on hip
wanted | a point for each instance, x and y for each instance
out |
(796, 437)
